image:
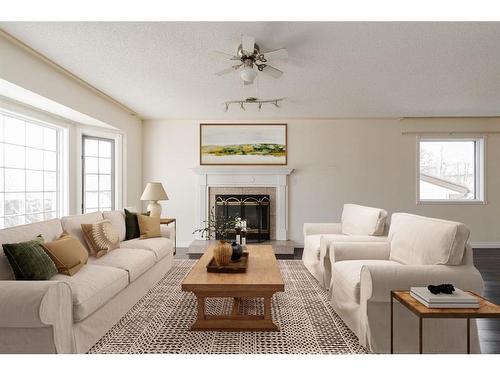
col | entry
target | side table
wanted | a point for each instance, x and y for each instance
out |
(171, 221)
(486, 309)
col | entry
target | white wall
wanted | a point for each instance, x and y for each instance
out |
(336, 161)
(24, 69)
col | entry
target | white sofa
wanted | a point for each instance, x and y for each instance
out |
(358, 224)
(420, 251)
(69, 314)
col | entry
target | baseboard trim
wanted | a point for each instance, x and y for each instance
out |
(485, 245)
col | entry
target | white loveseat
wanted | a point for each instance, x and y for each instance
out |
(358, 224)
(420, 251)
(69, 314)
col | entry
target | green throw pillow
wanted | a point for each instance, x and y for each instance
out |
(132, 225)
(29, 261)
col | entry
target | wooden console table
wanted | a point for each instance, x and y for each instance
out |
(167, 221)
(486, 309)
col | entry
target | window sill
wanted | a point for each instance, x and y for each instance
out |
(452, 202)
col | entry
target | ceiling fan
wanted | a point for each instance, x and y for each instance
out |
(252, 60)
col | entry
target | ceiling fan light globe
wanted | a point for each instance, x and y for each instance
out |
(248, 74)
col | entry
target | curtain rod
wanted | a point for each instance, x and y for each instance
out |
(66, 72)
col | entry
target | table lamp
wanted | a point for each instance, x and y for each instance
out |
(153, 193)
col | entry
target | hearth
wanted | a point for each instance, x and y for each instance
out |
(254, 208)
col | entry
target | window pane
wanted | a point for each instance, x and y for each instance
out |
(34, 218)
(49, 139)
(34, 135)
(1, 206)
(49, 161)
(105, 199)
(14, 156)
(91, 165)
(91, 147)
(92, 200)
(10, 221)
(1, 153)
(90, 210)
(105, 182)
(34, 181)
(447, 170)
(34, 202)
(104, 149)
(105, 166)
(49, 181)
(50, 201)
(34, 159)
(14, 130)
(15, 180)
(91, 182)
(14, 203)
(1, 180)
(50, 215)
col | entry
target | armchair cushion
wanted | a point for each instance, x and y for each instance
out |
(322, 228)
(362, 220)
(341, 251)
(424, 240)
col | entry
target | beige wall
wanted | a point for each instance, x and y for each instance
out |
(336, 161)
(27, 71)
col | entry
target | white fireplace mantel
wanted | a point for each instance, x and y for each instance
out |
(215, 176)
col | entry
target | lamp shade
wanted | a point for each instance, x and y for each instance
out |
(154, 192)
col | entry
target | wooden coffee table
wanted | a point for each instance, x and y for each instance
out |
(262, 280)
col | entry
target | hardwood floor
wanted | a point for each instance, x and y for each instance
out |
(488, 263)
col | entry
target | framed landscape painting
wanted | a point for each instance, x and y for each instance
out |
(243, 144)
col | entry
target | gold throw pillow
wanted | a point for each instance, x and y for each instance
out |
(101, 237)
(67, 253)
(149, 226)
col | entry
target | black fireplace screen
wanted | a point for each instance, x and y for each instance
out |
(254, 208)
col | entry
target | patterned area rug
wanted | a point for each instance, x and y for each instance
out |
(160, 321)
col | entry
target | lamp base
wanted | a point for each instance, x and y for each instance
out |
(154, 209)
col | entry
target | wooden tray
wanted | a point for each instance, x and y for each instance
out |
(235, 266)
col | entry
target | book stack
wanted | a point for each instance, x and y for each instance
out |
(457, 300)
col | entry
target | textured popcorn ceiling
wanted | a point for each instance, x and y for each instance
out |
(163, 70)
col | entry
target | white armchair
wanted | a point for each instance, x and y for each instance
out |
(358, 224)
(420, 251)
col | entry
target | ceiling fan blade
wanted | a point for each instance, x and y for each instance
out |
(281, 53)
(223, 55)
(228, 70)
(247, 44)
(272, 71)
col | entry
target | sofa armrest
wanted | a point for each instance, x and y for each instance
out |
(340, 251)
(377, 281)
(39, 304)
(322, 228)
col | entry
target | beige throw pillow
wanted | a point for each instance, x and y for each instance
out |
(101, 237)
(67, 253)
(149, 226)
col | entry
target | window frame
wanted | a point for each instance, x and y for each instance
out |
(62, 192)
(479, 170)
(118, 165)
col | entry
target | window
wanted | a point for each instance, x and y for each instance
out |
(98, 174)
(451, 170)
(30, 179)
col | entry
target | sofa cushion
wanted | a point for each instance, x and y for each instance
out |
(160, 246)
(73, 224)
(313, 241)
(29, 261)
(149, 226)
(92, 287)
(100, 237)
(67, 253)
(117, 219)
(134, 261)
(424, 240)
(50, 230)
(362, 220)
(346, 276)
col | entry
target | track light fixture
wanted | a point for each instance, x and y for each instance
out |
(258, 102)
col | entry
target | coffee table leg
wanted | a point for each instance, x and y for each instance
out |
(201, 308)
(420, 321)
(267, 308)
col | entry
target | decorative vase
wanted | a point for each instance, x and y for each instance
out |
(237, 251)
(222, 253)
